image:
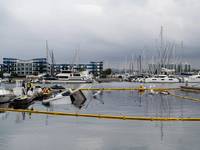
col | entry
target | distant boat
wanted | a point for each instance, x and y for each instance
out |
(68, 76)
(193, 78)
(162, 79)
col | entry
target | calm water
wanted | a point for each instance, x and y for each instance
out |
(19, 132)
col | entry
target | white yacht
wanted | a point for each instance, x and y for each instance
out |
(74, 77)
(6, 96)
(193, 78)
(162, 79)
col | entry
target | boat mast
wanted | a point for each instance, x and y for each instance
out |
(47, 50)
(47, 56)
(52, 62)
(161, 49)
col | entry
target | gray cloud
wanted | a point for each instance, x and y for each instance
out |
(104, 30)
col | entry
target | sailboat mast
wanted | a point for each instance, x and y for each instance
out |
(47, 56)
(161, 38)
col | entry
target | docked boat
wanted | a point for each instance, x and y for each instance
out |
(68, 76)
(57, 88)
(193, 78)
(6, 96)
(161, 79)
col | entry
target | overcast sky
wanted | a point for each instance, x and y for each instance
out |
(108, 30)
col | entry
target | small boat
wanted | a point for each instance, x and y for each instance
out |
(95, 94)
(41, 94)
(22, 102)
(57, 88)
(6, 96)
(162, 79)
(152, 91)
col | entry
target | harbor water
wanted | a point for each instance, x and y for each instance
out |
(23, 131)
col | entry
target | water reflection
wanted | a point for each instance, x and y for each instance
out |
(4, 114)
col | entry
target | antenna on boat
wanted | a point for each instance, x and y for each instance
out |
(47, 50)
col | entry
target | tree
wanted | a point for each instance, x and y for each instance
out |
(106, 72)
(1, 74)
(13, 75)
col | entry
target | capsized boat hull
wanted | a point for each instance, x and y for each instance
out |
(61, 98)
(77, 98)
(21, 103)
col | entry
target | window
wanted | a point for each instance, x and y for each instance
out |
(77, 74)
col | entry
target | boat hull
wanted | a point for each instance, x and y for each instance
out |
(161, 81)
(21, 103)
(6, 98)
(192, 80)
(57, 100)
(68, 81)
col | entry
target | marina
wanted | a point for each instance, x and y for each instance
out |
(99, 75)
(111, 101)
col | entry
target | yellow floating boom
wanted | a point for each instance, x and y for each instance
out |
(127, 89)
(186, 97)
(100, 116)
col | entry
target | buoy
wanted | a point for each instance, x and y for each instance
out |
(141, 88)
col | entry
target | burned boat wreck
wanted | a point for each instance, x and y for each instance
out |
(69, 96)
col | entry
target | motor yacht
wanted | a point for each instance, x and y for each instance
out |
(162, 79)
(193, 78)
(68, 76)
